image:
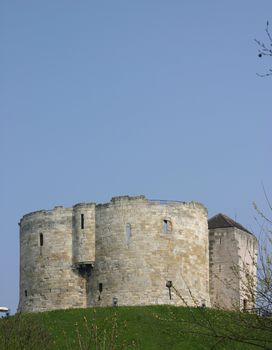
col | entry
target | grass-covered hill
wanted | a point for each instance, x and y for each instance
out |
(151, 327)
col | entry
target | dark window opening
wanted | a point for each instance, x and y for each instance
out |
(25, 293)
(167, 227)
(220, 268)
(41, 239)
(82, 221)
(169, 285)
(100, 287)
(244, 304)
(220, 240)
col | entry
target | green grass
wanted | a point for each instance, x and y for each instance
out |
(151, 327)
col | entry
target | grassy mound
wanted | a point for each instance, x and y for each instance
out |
(151, 327)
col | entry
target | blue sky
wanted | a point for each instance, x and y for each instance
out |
(105, 98)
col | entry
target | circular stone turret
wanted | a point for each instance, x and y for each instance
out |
(48, 279)
(150, 252)
(84, 234)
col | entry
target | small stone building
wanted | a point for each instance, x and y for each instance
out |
(133, 251)
(233, 258)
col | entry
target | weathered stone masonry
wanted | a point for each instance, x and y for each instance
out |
(124, 252)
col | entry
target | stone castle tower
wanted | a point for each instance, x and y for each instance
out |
(131, 251)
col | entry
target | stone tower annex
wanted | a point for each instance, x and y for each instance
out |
(132, 251)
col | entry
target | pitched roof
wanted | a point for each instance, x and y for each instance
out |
(221, 221)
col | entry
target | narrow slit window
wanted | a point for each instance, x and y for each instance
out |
(220, 240)
(41, 239)
(128, 233)
(25, 293)
(167, 227)
(169, 285)
(82, 220)
(244, 304)
(100, 287)
(220, 268)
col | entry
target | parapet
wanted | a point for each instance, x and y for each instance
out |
(85, 205)
(127, 198)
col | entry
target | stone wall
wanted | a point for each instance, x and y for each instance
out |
(47, 277)
(141, 244)
(224, 285)
(83, 233)
(248, 250)
(232, 255)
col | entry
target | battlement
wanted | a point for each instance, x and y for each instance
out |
(128, 198)
(84, 205)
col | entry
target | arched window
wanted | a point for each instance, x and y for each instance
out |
(41, 239)
(167, 227)
(128, 233)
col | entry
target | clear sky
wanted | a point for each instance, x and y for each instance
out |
(105, 98)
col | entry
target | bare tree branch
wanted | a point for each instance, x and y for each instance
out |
(265, 49)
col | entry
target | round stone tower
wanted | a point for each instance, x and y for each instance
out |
(150, 252)
(48, 279)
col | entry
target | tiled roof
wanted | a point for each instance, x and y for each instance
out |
(221, 221)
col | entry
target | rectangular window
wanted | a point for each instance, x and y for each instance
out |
(82, 221)
(100, 287)
(25, 293)
(128, 233)
(41, 239)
